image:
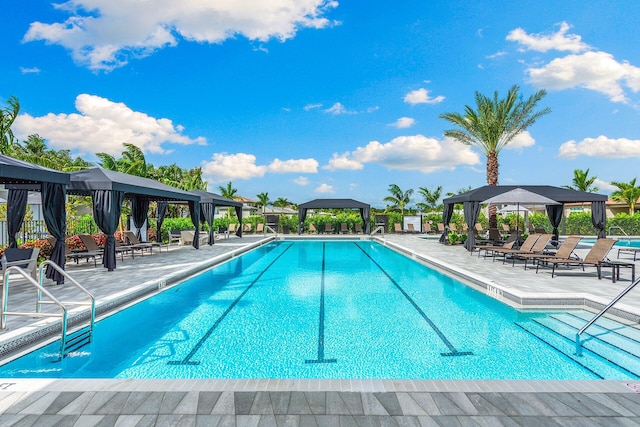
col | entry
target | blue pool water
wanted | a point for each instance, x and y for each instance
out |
(332, 309)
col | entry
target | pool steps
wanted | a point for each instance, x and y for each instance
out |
(610, 349)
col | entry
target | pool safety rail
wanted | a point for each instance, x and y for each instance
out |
(617, 227)
(601, 313)
(69, 341)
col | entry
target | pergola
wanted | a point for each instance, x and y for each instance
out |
(334, 204)
(208, 203)
(471, 201)
(108, 189)
(20, 177)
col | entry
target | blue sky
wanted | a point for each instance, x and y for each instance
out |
(309, 99)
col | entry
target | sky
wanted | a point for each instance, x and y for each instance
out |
(309, 99)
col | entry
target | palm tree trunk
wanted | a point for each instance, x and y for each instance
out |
(492, 179)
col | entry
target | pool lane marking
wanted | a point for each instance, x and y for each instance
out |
(452, 350)
(187, 360)
(320, 358)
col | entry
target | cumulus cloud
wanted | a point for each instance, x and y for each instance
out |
(325, 188)
(403, 123)
(102, 126)
(415, 152)
(604, 186)
(559, 40)
(602, 147)
(597, 71)
(302, 181)
(294, 166)
(32, 70)
(421, 96)
(225, 167)
(522, 140)
(338, 109)
(105, 34)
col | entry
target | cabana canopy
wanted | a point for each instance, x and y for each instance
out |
(335, 204)
(208, 202)
(109, 188)
(472, 200)
(22, 176)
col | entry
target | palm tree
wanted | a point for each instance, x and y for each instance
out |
(228, 192)
(581, 182)
(263, 201)
(281, 202)
(430, 198)
(627, 192)
(7, 116)
(398, 197)
(493, 125)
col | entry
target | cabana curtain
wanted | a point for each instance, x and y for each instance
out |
(107, 206)
(16, 209)
(139, 213)
(447, 213)
(162, 212)
(599, 218)
(206, 215)
(55, 217)
(554, 212)
(194, 213)
(471, 212)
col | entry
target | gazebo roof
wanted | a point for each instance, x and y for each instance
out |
(559, 194)
(333, 204)
(14, 171)
(216, 199)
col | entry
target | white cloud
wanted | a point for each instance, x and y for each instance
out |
(522, 140)
(597, 71)
(602, 147)
(102, 126)
(294, 166)
(104, 34)
(415, 152)
(403, 123)
(32, 70)
(309, 107)
(604, 186)
(302, 181)
(421, 96)
(226, 167)
(342, 161)
(338, 109)
(559, 40)
(325, 188)
(496, 55)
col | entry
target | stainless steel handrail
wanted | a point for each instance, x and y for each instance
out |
(379, 228)
(601, 313)
(621, 229)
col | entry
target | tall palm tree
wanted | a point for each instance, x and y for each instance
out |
(493, 125)
(582, 182)
(7, 116)
(398, 197)
(228, 192)
(627, 192)
(263, 201)
(281, 202)
(430, 198)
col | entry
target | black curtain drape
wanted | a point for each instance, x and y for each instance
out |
(139, 213)
(365, 213)
(162, 211)
(447, 213)
(55, 217)
(471, 212)
(554, 212)
(194, 213)
(302, 215)
(239, 215)
(206, 213)
(16, 209)
(599, 218)
(107, 206)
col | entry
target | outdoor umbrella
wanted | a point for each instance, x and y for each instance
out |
(512, 208)
(519, 196)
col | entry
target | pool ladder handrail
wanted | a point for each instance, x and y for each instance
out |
(379, 228)
(601, 313)
(621, 229)
(65, 343)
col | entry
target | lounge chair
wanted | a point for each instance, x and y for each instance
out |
(538, 248)
(25, 258)
(630, 250)
(174, 236)
(358, 228)
(525, 248)
(134, 242)
(76, 256)
(426, 227)
(344, 228)
(565, 251)
(397, 228)
(232, 228)
(93, 248)
(488, 249)
(328, 228)
(411, 228)
(440, 227)
(595, 257)
(248, 228)
(259, 228)
(312, 229)
(186, 238)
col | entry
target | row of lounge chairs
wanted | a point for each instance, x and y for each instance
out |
(536, 249)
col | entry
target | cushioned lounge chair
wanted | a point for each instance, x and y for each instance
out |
(489, 248)
(565, 251)
(538, 248)
(595, 257)
(25, 258)
(525, 248)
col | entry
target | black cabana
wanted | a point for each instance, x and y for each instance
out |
(109, 188)
(20, 177)
(335, 204)
(208, 203)
(473, 198)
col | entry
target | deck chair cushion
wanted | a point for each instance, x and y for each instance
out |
(18, 254)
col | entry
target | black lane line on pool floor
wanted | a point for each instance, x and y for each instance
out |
(187, 360)
(452, 350)
(321, 358)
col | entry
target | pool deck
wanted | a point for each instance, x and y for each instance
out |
(86, 402)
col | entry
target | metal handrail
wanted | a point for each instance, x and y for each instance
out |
(5, 301)
(601, 313)
(379, 228)
(268, 228)
(621, 229)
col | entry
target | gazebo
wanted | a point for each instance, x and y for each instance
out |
(208, 203)
(108, 189)
(471, 201)
(20, 177)
(335, 204)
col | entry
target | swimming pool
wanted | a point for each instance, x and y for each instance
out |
(324, 309)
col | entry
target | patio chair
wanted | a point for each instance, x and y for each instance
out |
(76, 256)
(174, 236)
(595, 257)
(232, 228)
(312, 228)
(538, 248)
(488, 249)
(344, 228)
(358, 228)
(328, 228)
(259, 228)
(411, 228)
(397, 228)
(440, 227)
(526, 247)
(565, 251)
(94, 249)
(248, 228)
(426, 227)
(25, 258)
(135, 243)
